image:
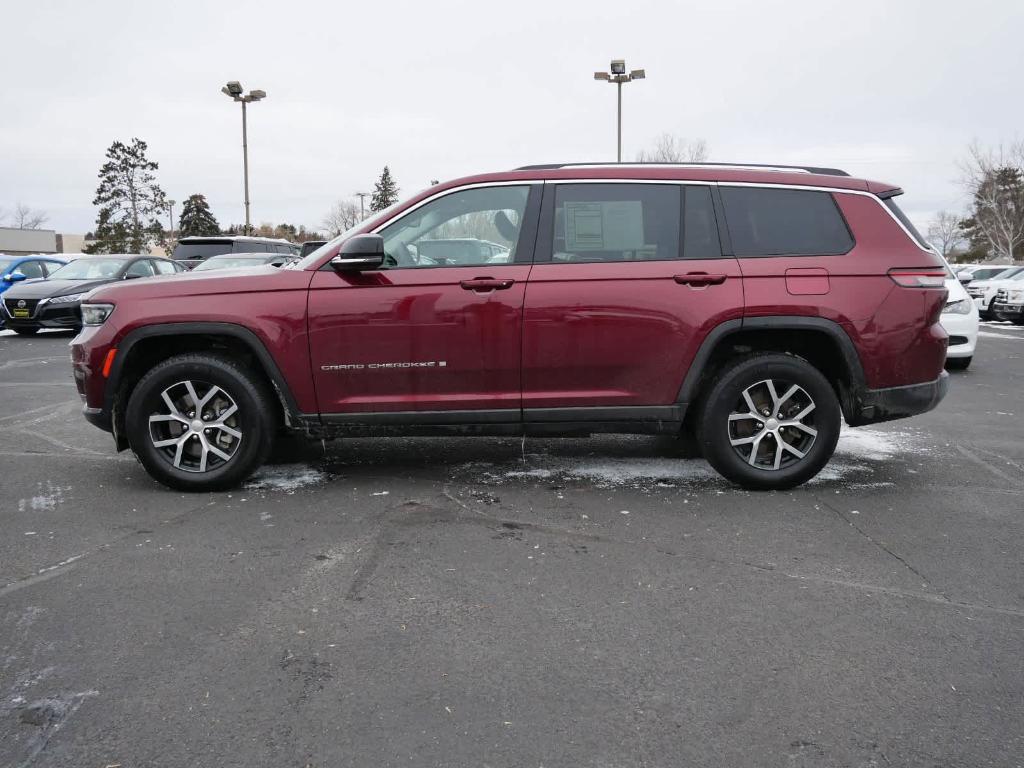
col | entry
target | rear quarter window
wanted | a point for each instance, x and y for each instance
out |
(784, 222)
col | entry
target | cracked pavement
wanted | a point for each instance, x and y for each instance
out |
(451, 602)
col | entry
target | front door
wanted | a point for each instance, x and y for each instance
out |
(628, 279)
(439, 326)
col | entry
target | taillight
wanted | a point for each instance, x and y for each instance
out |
(916, 277)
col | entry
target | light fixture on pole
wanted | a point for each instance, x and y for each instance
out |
(618, 76)
(233, 90)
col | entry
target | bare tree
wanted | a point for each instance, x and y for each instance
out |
(672, 149)
(343, 215)
(945, 233)
(995, 179)
(26, 218)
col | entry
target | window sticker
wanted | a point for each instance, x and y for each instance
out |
(604, 226)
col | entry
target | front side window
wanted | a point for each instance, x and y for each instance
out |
(768, 221)
(140, 268)
(616, 222)
(31, 269)
(467, 228)
(165, 267)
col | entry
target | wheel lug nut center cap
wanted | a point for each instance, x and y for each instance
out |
(197, 425)
(771, 424)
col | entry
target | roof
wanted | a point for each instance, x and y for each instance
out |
(808, 176)
(740, 166)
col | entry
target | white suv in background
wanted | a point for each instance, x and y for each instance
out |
(984, 291)
(960, 320)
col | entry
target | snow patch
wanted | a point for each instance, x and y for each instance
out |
(286, 477)
(864, 443)
(47, 498)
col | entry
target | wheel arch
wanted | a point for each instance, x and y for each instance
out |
(153, 343)
(822, 342)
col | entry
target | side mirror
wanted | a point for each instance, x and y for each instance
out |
(964, 277)
(130, 276)
(15, 277)
(359, 253)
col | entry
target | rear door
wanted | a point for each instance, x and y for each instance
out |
(629, 278)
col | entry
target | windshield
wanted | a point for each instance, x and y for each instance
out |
(89, 269)
(5, 265)
(985, 273)
(369, 224)
(226, 262)
(200, 250)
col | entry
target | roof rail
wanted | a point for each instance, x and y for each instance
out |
(735, 166)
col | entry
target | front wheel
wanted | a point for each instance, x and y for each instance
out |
(200, 422)
(770, 421)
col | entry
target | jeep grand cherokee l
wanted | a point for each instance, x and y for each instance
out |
(754, 307)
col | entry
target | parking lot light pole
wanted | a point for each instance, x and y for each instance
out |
(362, 196)
(618, 76)
(234, 91)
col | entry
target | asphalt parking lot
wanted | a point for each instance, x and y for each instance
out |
(484, 602)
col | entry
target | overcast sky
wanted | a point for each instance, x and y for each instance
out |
(886, 89)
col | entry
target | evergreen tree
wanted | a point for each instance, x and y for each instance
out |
(196, 219)
(130, 201)
(385, 192)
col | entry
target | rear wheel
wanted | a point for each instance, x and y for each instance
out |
(770, 421)
(26, 331)
(200, 422)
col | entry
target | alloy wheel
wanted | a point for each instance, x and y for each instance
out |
(196, 429)
(771, 431)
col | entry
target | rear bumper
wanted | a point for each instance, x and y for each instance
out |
(875, 405)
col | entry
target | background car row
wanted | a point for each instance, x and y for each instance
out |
(46, 291)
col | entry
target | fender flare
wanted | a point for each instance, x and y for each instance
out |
(252, 342)
(721, 332)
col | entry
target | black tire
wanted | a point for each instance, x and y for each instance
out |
(255, 419)
(715, 429)
(26, 331)
(958, 363)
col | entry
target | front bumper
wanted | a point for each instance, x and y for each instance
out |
(875, 405)
(44, 315)
(963, 333)
(1009, 311)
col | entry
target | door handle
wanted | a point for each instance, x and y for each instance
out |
(484, 284)
(699, 278)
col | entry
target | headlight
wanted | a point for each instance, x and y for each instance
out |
(1016, 296)
(96, 314)
(66, 299)
(961, 307)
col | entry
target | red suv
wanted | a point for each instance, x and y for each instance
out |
(751, 306)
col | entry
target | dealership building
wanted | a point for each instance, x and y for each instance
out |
(25, 242)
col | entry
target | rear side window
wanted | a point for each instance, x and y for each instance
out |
(890, 203)
(700, 229)
(200, 250)
(616, 222)
(784, 222)
(243, 246)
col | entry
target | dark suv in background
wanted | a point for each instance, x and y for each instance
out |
(191, 251)
(754, 307)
